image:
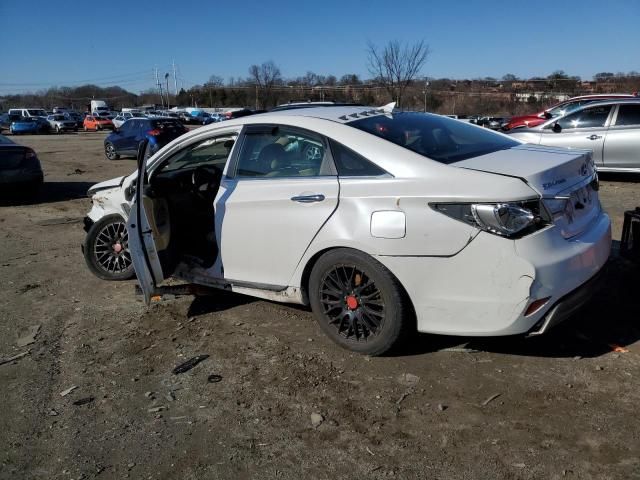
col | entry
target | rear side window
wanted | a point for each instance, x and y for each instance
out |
(168, 125)
(433, 136)
(592, 117)
(628, 115)
(350, 164)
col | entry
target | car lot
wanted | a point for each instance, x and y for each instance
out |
(567, 404)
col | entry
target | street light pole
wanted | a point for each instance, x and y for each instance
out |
(424, 91)
(166, 77)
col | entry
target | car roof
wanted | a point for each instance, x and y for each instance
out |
(339, 114)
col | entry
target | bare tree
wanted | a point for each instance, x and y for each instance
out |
(396, 65)
(215, 81)
(265, 76)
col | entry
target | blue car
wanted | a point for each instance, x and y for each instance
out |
(29, 125)
(211, 118)
(127, 139)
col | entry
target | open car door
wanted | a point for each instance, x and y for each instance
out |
(142, 245)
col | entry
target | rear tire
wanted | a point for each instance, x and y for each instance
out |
(110, 151)
(358, 302)
(100, 247)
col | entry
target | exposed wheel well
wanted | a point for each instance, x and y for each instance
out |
(306, 274)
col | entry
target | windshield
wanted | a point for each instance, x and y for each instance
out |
(37, 112)
(433, 136)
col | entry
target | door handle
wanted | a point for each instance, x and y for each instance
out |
(594, 137)
(318, 197)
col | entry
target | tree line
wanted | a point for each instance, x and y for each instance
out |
(396, 74)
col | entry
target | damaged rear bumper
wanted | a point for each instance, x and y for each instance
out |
(568, 305)
(486, 289)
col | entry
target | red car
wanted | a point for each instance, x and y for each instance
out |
(558, 110)
(94, 122)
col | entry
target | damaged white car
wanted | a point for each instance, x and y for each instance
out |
(383, 222)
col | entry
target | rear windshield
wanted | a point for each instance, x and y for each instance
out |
(433, 136)
(11, 158)
(167, 124)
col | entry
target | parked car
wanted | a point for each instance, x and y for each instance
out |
(60, 123)
(494, 123)
(29, 125)
(123, 117)
(6, 120)
(93, 122)
(127, 139)
(611, 129)
(382, 221)
(20, 169)
(28, 112)
(213, 118)
(241, 113)
(75, 117)
(558, 110)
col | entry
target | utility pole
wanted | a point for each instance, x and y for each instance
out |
(256, 96)
(175, 80)
(159, 87)
(424, 91)
(166, 77)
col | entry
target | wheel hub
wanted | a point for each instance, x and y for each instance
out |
(117, 247)
(352, 302)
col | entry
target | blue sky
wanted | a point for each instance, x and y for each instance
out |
(72, 42)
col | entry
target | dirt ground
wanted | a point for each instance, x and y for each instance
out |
(567, 405)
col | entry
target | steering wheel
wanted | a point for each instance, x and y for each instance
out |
(206, 181)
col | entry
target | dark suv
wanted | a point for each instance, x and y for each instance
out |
(127, 139)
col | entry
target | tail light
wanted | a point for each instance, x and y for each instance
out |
(154, 133)
(510, 219)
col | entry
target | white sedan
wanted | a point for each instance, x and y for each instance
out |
(383, 222)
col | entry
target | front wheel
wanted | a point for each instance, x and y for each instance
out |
(106, 249)
(358, 302)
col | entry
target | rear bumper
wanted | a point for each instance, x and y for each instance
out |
(486, 288)
(568, 305)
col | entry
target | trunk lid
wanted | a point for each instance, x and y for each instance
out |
(547, 170)
(565, 179)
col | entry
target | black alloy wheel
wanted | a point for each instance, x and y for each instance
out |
(358, 302)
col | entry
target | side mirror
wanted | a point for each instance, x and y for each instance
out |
(556, 128)
(547, 115)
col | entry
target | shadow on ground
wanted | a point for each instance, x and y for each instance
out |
(619, 177)
(49, 192)
(217, 302)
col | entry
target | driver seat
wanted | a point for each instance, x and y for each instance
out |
(271, 158)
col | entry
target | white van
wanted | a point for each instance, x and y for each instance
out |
(28, 112)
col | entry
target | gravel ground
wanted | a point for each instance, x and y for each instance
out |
(275, 398)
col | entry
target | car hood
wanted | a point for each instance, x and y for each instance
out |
(548, 170)
(113, 183)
